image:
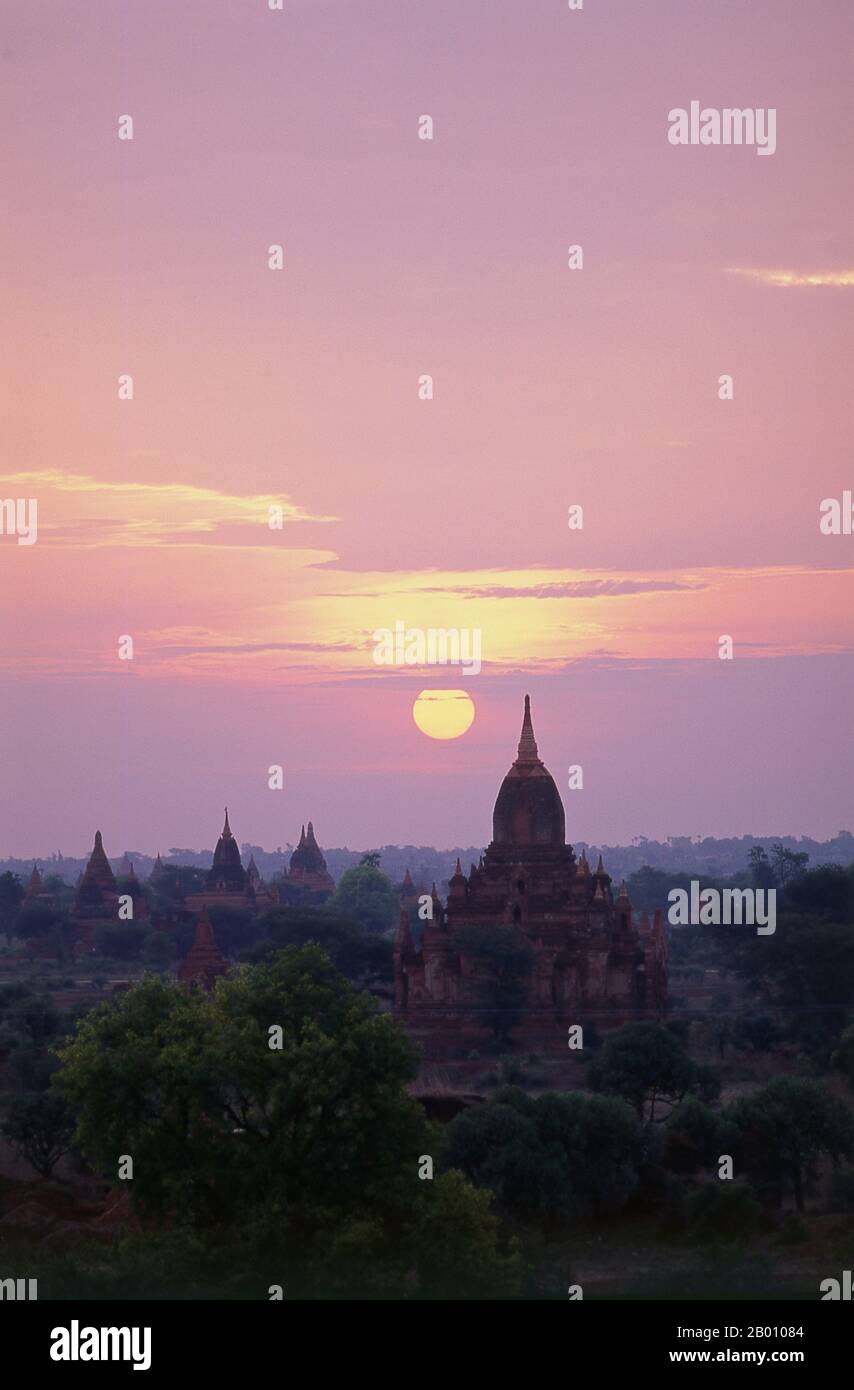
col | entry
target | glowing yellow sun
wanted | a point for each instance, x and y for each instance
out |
(443, 713)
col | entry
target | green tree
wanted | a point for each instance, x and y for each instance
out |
(547, 1157)
(235, 929)
(39, 1128)
(177, 882)
(29, 1068)
(602, 1141)
(761, 871)
(649, 887)
(499, 1147)
(787, 863)
(785, 1128)
(366, 895)
(806, 968)
(36, 921)
(504, 961)
(825, 891)
(456, 1243)
(371, 860)
(694, 1137)
(218, 1122)
(724, 1212)
(646, 1065)
(37, 1018)
(757, 1032)
(355, 952)
(300, 1162)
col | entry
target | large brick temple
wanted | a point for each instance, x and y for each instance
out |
(594, 961)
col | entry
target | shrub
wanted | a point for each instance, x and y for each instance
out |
(722, 1212)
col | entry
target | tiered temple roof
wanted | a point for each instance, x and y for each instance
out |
(307, 868)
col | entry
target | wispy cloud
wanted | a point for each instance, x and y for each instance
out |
(154, 514)
(572, 588)
(788, 279)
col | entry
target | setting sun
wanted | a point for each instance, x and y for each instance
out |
(443, 713)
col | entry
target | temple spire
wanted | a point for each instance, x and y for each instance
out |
(226, 829)
(527, 743)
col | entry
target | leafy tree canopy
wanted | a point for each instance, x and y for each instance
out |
(545, 1158)
(303, 1160)
(11, 897)
(354, 951)
(218, 1122)
(785, 1127)
(365, 894)
(647, 1065)
(39, 1128)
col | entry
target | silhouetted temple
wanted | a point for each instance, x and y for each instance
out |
(593, 961)
(34, 886)
(158, 870)
(227, 883)
(226, 874)
(308, 880)
(36, 894)
(97, 892)
(96, 902)
(132, 888)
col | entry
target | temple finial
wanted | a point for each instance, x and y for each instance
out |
(527, 743)
(226, 829)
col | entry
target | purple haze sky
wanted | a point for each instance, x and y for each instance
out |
(553, 387)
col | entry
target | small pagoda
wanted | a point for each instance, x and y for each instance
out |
(203, 963)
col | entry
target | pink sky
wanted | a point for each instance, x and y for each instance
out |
(552, 387)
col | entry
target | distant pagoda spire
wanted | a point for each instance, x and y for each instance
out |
(98, 871)
(34, 887)
(97, 892)
(157, 870)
